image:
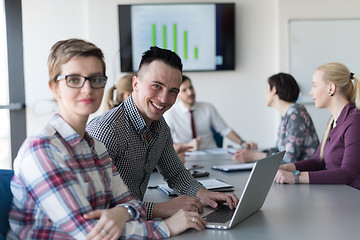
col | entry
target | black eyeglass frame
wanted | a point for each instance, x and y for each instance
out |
(90, 79)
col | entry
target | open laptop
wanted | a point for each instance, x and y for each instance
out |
(253, 197)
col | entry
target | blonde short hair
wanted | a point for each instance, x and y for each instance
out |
(65, 50)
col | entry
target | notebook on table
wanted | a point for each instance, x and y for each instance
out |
(209, 184)
(234, 167)
(253, 196)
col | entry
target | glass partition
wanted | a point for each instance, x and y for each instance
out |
(5, 143)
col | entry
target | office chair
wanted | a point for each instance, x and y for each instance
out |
(5, 202)
(218, 138)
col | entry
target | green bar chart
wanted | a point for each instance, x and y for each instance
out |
(164, 37)
(178, 29)
(153, 35)
(175, 38)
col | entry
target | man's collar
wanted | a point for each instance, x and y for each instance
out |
(183, 108)
(136, 119)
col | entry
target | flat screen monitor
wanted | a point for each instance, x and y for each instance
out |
(202, 34)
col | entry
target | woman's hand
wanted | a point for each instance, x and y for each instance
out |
(250, 145)
(243, 156)
(110, 225)
(183, 220)
(247, 155)
(283, 176)
(195, 143)
(290, 167)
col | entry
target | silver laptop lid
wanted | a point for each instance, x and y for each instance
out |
(255, 191)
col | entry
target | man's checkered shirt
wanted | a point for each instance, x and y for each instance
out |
(121, 130)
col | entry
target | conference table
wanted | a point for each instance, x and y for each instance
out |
(290, 212)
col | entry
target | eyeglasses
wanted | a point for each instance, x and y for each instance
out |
(76, 81)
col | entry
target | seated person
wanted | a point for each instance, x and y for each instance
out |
(336, 161)
(65, 185)
(123, 89)
(296, 134)
(189, 120)
(139, 140)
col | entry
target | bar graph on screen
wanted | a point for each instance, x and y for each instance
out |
(174, 39)
(177, 28)
(202, 34)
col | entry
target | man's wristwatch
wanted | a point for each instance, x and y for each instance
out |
(130, 211)
(296, 174)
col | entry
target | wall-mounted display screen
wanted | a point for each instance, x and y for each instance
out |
(203, 35)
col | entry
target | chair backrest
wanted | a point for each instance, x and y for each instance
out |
(5, 200)
(218, 138)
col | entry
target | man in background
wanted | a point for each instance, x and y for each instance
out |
(190, 120)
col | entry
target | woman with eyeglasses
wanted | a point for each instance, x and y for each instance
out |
(65, 185)
(336, 160)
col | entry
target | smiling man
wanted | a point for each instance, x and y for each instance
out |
(138, 138)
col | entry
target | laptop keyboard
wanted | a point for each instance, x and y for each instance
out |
(220, 215)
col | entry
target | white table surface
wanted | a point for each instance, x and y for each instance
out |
(290, 211)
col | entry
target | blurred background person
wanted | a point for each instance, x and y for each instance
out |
(296, 134)
(197, 122)
(122, 89)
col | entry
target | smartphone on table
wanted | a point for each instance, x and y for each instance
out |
(199, 173)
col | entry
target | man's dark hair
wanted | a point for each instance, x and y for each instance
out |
(286, 86)
(167, 56)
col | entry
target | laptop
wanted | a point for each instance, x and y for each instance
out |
(253, 197)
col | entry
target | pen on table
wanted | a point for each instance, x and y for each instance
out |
(232, 151)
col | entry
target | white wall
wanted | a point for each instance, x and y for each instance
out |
(44, 23)
(312, 9)
(261, 50)
(238, 95)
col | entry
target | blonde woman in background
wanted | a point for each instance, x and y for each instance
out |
(123, 89)
(336, 161)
